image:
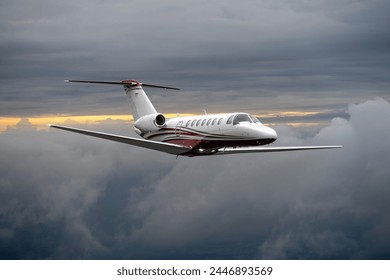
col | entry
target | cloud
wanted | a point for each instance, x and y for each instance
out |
(335, 52)
(295, 205)
(71, 196)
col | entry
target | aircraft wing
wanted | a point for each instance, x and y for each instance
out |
(153, 145)
(241, 150)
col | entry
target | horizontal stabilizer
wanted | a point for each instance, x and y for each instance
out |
(126, 83)
(153, 145)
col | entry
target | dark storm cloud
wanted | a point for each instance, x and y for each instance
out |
(71, 196)
(325, 49)
(45, 196)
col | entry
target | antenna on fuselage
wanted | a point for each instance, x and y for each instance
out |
(205, 112)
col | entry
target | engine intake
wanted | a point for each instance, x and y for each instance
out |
(150, 123)
(159, 120)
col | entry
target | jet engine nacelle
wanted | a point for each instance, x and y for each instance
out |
(149, 123)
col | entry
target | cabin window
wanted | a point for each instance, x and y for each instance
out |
(188, 123)
(219, 121)
(198, 122)
(203, 122)
(209, 121)
(214, 121)
(241, 118)
(230, 119)
(193, 123)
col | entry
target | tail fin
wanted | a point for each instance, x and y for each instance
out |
(139, 101)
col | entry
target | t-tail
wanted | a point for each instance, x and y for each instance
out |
(146, 118)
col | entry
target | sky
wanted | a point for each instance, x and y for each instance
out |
(316, 71)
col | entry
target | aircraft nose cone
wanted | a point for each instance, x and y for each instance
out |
(272, 133)
(267, 135)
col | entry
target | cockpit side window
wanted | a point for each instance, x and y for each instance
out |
(230, 119)
(241, 118)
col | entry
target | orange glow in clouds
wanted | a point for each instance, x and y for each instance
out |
(41, 122)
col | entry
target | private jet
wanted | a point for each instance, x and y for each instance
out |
(200, 135)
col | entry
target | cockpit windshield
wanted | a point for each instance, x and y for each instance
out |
(255, 119)
(241, 118)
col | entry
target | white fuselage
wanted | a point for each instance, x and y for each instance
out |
(205, 134)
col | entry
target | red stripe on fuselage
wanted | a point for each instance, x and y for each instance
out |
(190, 132)
(185, 142)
